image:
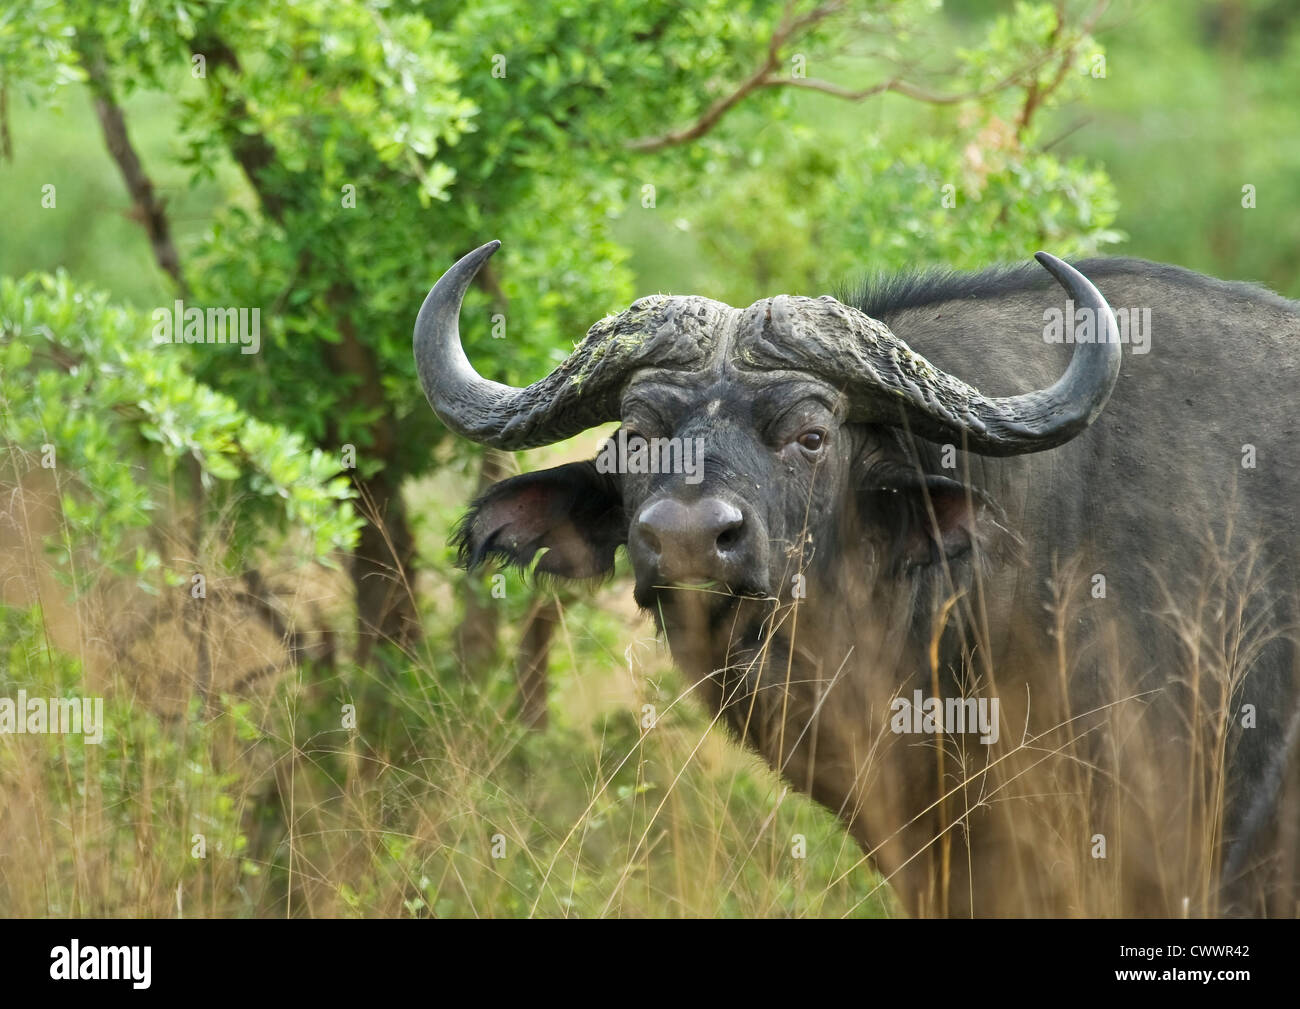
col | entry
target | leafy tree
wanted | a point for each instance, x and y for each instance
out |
(116, 426)
(377, 142)
(86, 395)
(820, 193)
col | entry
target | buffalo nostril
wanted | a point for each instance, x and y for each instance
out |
(723, 524)
(730, 537)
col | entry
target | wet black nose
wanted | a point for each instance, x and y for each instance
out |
(677, 541)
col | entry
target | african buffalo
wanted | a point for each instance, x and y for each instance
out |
(1037, 650)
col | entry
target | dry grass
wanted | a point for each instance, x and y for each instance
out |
(230, 783)
(403, 816)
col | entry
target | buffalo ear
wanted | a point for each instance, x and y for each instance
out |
(927, 518)
(571, 511)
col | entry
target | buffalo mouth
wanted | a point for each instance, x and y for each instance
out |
(723, 635)
(705, 616)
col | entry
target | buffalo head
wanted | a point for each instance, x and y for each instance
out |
(761, 449)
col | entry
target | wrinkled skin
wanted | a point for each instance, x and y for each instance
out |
(960, 580)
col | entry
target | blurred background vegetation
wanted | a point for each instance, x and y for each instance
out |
(330, 720)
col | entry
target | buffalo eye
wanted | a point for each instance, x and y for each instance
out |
(812, 440)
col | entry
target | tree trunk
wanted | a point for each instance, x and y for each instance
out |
(532, 660)
(475, 638)
(381, 570)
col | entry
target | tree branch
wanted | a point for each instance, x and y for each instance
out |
(252, 151)
(907, 90)
(149, 209)
(1036, 95)
(763, 76)
(766, 76)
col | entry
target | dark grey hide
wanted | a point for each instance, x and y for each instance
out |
(916, 491)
